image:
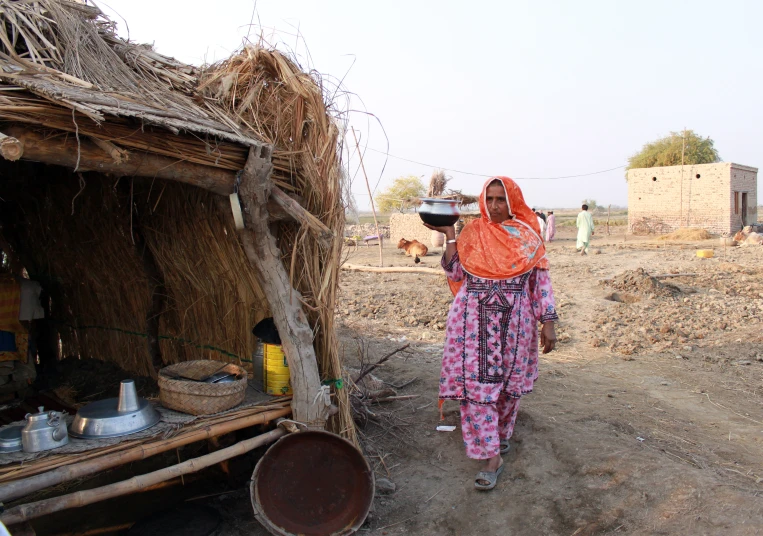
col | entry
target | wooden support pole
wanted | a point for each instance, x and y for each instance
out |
(311, 402)
(20, 488)
(37, 509)
(371, 197)
(609, 209)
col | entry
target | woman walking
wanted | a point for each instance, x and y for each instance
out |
(498, 272)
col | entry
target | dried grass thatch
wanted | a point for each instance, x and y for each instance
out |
(88, 237)
(437, 183)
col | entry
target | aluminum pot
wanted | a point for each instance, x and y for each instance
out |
(45, 430)
(439, 212)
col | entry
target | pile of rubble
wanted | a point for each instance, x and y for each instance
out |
(640, 282)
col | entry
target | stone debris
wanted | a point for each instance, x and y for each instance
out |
(384, 486)
(639, 281)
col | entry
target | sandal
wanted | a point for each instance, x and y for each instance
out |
(505, 447)
(490, 478)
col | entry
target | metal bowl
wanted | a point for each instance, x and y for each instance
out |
(102, 419)
(313, 484)
(10, 438)
(115, 417)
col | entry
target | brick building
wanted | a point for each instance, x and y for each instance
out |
(720, 197)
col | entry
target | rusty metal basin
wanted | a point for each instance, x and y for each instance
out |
(313, 484)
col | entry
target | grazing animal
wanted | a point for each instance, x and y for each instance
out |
(413, 248)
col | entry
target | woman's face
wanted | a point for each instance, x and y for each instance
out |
(497, 206)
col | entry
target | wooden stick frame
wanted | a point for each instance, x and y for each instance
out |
(25, 512)
(20, 488)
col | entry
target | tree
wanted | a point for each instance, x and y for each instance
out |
(667, 151)
(591, 204)
(399, 195)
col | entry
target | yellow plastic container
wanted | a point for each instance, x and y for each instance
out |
(276, 373)
(705, 253)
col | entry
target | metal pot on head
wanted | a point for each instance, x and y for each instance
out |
(439, 212)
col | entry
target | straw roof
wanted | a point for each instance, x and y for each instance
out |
(66, 54)
(100, 245)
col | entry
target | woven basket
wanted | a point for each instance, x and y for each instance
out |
(199, 398)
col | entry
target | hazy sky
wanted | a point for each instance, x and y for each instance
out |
(517, 88)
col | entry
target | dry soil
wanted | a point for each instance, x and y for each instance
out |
(647, 418)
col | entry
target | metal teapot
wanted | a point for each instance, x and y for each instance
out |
(44, 431)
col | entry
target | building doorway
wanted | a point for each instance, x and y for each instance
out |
(744, 209)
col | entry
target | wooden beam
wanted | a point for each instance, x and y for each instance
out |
(24, 512)
(106, 157)
(10, 148)
(117, 154)
(311, 402)
(323, 234)
(66, 151)
(393, 269)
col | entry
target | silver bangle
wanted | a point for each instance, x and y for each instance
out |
(450, 241)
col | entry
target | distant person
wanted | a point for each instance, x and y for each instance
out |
(543, 215)
(541, 224)
(550, 226)
(585, 230)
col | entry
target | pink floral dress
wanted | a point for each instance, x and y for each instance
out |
(491, 343)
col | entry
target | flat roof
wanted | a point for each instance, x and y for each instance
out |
(729, 164)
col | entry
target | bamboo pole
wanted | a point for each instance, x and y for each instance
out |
(78, 499)
(392, 269)
(368, 187)
(19, 488)
(609, 209)
(99, 530)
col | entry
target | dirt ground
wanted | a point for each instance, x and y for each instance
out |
(647, 419)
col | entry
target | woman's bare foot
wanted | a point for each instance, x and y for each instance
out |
(492, 464)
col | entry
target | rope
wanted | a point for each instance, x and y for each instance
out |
(337, 383)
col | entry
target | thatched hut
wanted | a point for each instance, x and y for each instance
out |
(114, 195)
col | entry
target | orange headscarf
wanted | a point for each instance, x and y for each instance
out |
(501, 250)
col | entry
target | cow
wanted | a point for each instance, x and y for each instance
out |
(413, 248)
